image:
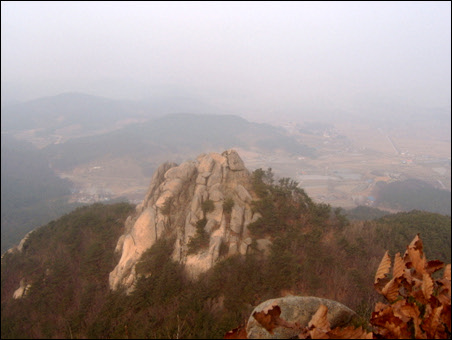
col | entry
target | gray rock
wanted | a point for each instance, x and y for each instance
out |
(206, 163)
(237, 218)
(184, 171)
(157, 178)
(216, 175)
(298, 309)
(235, 163)
(210, 226)
(201, 179)
(243, 194)
(216, 195)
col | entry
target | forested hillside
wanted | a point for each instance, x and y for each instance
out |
(316, 251)
(413, 194)
(31, 193)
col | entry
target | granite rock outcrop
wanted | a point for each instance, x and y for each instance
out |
(173, 206)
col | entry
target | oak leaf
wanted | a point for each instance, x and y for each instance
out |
(269, 319)
(383, 268)
(433, 266)
(317, 333)
(319, 319)
(417, 244)
(432, 321)
(401, 310)
(414, 257)
(427, 285)
(397, 330)
(446, 316)
(399, 266)
(380, 306)
(391, 290)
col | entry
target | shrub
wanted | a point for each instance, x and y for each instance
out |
(228, 204)
(201, 238)
(207, 206)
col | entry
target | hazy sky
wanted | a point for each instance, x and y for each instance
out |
(260, 57)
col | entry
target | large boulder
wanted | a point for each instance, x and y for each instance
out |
(298, 309)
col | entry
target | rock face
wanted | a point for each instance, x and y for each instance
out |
(173, 206)
(298, 309)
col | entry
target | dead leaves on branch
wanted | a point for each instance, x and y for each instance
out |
(419, 305)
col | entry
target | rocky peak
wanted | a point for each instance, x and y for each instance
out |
(173, 207)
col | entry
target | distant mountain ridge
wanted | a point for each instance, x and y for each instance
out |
(174, 135)
(81, 110)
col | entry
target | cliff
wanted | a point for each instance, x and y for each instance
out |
(176, 203)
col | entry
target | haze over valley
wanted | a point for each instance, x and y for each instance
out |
(337, 161)
(107, 150)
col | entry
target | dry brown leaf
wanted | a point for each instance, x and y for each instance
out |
(411, 278)
(391, 290)
(445, 290)
(417, 244)
(381, 317)
(444, 296)
(446, 316)
(398, 310)
(349, 333)
(237, 333)
(406, 309)
(433, 266)
(446, 274)
(304, 333)
(269, 319)
(427, 285)
(383, 268)
(407, 274)
(399, 266)
(319, 319)
(317, 333)
(419, 296)
(379, 307)
(418, 332)
(406, 312)
(431, 321)
(398, 330)
(418, 262)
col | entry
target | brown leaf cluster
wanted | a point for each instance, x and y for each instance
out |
(319, 328)
(419, 305)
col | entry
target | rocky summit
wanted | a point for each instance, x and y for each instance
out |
(174, 206)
